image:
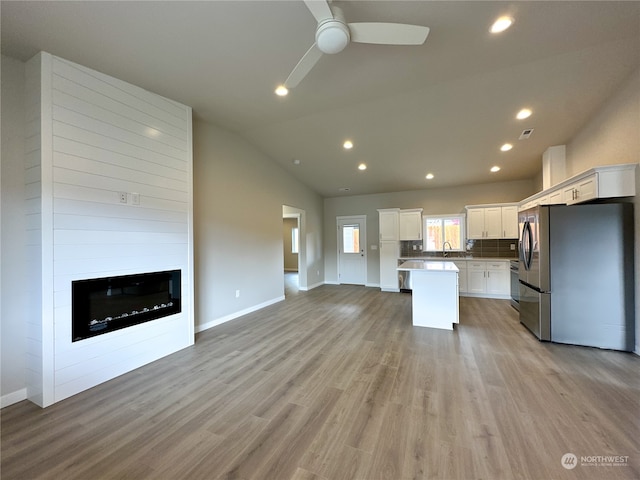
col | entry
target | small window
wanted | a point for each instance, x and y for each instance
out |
(444, 228)
(351, 239)
(294, 240)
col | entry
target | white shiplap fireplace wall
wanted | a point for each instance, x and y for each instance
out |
(91, 138)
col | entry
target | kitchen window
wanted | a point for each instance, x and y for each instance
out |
(439, 229)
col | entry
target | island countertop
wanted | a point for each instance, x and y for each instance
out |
(428, 266)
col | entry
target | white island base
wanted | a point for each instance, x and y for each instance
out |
(434, 293)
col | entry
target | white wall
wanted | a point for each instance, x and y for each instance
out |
(88, 138)
(13, 299)
(612, 136)
(433, 201)
(238, 208)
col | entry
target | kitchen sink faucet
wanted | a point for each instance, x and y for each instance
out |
(444, 252)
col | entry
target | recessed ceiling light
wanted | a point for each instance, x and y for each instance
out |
(344, 189)
(506, 147)
(501, 24)
(362, 166)
(495, 169)
(296, 161)
(524, 113)
(429, 176)
(348, 144)
(282, 91)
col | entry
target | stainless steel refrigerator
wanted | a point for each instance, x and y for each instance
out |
(576, 274)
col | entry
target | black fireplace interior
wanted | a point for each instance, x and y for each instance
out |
(102, 305)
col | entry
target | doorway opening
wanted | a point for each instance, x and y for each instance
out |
(294, 250)
(291, 253)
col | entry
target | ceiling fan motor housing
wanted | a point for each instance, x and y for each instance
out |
(332, 36)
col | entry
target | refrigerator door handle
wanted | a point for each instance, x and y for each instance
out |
(527, 240)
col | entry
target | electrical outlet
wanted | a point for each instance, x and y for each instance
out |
(237, 293)
(135, 199)
(415, 247)
(512, 246)
(123, 197)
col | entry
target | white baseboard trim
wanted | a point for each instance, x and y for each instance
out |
(13, 397)
(231, 316)
(373, 285)
(485, 295)
(331, 282)
(311, 287)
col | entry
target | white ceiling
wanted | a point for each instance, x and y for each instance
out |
(443, 107)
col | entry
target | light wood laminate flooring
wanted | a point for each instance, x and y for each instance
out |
(336, 383)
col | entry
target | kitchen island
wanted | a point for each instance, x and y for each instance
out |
(434, 300)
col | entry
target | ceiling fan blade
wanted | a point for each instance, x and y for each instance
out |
(388, 33)
(319, 9)
(303, 67)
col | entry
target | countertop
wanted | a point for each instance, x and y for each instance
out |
(457, 259)
(428, 266)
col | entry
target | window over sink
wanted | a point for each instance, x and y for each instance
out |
(439, 229)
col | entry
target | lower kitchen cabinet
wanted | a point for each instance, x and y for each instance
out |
(488, 278)
(389, 253)
(498, 281)
(476, 277)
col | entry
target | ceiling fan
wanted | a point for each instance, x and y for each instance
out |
(333, 34)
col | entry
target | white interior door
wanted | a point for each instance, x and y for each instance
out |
(352, 251)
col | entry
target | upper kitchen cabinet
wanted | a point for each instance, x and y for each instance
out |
(411, 224)
(492, 221)
(610, 181)
(581, 191)
(388, 224)
(510, 221)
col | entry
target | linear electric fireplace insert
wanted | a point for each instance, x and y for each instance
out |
(102, 305)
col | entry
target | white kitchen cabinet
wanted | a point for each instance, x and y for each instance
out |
(488, 278)
(582, 190)
(498, 280)
(556, 197)
(388, 219)
(475, 223)
(476, 277)
(609, 181)
(411, 224)
(388, 224)
(510, 221)
(389, 254)
(492, 222)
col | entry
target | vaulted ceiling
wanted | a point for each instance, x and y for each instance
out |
(444, 107)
